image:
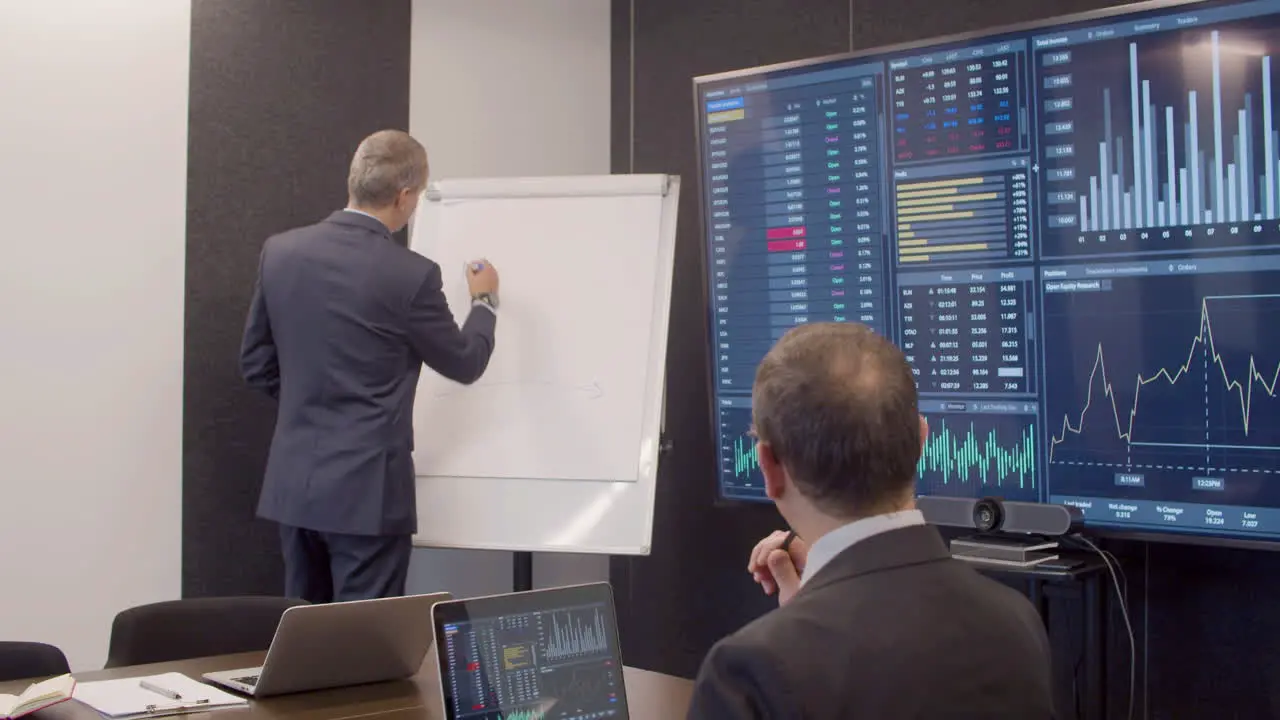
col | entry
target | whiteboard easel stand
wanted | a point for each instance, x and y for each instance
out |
(619, 517)
(522, 560)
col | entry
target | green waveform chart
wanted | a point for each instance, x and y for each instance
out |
(993, 456)
(745, 458)
(524, 715)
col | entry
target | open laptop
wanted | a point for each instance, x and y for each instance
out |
(541, 654)
(340, 644)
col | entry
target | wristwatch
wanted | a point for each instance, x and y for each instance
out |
(490, 299)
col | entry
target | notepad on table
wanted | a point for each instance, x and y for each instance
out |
(37, 697)
(152, 696)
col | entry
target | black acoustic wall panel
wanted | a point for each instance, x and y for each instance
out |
(691, 590)
(1212, 649)
(282, 91)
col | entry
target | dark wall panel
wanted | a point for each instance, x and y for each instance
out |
(885, 22)
(282, 91)
(1212, 649)
(691, 590)
(1205, 632)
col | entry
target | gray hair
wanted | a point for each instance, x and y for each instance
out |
(386, 163)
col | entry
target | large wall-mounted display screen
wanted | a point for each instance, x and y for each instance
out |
(1073, 231)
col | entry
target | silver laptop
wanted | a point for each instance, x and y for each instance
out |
(341, 644)
(541, 654)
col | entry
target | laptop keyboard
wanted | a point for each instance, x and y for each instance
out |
(250, 680)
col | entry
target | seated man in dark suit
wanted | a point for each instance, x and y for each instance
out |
(877, 621)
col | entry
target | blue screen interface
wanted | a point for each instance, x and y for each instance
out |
(1072, 231)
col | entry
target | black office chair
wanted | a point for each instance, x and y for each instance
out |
(199, 627)
(24, 660)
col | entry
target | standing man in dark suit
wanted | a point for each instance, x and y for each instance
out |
(342, 320)
(876, 620)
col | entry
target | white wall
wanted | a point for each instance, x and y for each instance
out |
(93, 145)
(508, 88)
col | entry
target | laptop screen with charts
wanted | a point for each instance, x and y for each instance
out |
(317, 647)
(540, 655)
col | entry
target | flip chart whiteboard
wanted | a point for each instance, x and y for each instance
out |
(556, 446)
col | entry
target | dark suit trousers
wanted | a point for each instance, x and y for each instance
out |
(329, 567)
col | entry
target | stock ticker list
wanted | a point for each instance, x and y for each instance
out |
(965, 286)
(958, 103)
(896, 195)
(796, 228)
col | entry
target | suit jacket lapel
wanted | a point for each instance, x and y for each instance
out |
(888, 550)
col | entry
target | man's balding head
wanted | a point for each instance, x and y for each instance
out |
(388, 172)
(836, 405)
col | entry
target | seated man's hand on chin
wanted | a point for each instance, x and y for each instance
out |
(777, 570)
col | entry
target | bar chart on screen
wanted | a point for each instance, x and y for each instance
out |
(963, 212)
(1149, 160)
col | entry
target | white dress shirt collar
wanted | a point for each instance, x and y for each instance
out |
(361, 212)
(842, 538)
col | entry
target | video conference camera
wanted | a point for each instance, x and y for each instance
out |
(1010, 533)
(993, 515)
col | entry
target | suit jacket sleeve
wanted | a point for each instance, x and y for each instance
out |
(740, 682)
(460, 355)
(1035, 627)
(259, 362)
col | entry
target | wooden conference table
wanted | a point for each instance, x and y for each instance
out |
(651, 696)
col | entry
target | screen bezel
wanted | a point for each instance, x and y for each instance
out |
(454, 611)
(993, 34)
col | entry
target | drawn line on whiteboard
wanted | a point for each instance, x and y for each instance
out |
(592, 391)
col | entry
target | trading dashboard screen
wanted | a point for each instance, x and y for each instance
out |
(1072, 230)
(515, 663)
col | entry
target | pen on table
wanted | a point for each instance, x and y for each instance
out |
(152, 687)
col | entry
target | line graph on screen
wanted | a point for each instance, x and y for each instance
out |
(1197, 392)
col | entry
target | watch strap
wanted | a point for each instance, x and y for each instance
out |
(487, 298)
